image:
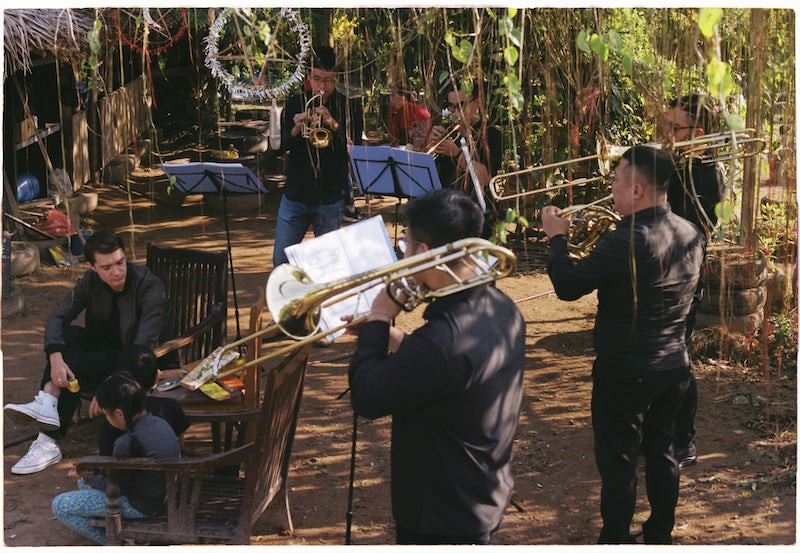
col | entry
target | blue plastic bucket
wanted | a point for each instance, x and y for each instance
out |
(27, 187)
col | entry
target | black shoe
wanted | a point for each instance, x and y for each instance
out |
(686, 456)
(353, 216)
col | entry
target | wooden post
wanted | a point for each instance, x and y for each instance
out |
(751, 204)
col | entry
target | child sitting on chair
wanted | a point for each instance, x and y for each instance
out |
(142, 493)
(140, 362)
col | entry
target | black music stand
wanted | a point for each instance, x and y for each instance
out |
(394, 172)
(199, 177)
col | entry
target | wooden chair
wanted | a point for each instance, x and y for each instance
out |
(197, 287)
(204, 507)
(230, 421)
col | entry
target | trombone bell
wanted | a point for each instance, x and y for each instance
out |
(285, 287)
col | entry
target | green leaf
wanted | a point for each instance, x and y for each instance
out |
(724, 211)
(516, 37)
(599, 46)
(450, 39)
(582, 42)
(510, 215)
(734, 122)
(511, 13)
(523, 221)
(464, 50)
(502, 235)
(615, 39)
(511, 55)
(506, 26)
(708, 19)
(627, 63)
(443, 75)
(512, 83)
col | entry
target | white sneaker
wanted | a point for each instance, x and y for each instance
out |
(44, 451)
(42, 412)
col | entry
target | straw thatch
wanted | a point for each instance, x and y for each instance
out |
(40, 33)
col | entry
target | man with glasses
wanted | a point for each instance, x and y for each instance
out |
(693, 194)
(316, 177)
(124, 306)
(453, 388)
(484, 143)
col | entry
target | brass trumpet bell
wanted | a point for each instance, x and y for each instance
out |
(320, 137)
(313, 131)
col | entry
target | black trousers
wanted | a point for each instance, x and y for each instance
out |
(91, 360)
(633, 412)
(412, 538)
(684, 419)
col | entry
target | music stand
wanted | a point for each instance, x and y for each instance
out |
(199, 177)
(393, 172)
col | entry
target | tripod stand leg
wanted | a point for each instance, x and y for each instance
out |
(349, 516)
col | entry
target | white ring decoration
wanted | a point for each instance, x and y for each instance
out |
(250, 93)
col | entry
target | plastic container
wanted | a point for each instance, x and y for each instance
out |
(28, 187)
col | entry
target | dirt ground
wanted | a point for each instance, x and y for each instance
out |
(742, 491)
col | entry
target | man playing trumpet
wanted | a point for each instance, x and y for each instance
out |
(453, 388)
(316, 175)
(645, 273)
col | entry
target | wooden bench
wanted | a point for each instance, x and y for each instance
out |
(204, 506)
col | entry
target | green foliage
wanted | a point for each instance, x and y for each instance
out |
(776, 229)
(510, 217)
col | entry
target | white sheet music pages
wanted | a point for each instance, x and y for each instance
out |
(351, 250)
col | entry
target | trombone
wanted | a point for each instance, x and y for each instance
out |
(709, 148)
(295, 301)
(606, 154)
(313, 131)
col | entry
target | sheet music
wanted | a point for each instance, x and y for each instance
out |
(351, 250)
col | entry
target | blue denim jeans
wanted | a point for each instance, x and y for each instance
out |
(77, 508)
(294, 219)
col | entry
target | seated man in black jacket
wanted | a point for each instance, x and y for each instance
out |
(123, 305)
(645, 273)
(453, 388)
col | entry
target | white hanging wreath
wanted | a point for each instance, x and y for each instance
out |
(250, 93)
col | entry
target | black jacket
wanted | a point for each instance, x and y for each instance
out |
(453, 389)
(645, 273)
(319, 175)
(142, 307)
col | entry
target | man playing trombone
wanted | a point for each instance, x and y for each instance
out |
(693, 195)
(645, 273)
(453, 387)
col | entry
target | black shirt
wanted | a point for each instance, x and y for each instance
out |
(319, 175)
(645, 273)
(446, 166)
(453, 389)
(705, 180)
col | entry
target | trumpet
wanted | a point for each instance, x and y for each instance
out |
(313, 131)
(295, 301)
